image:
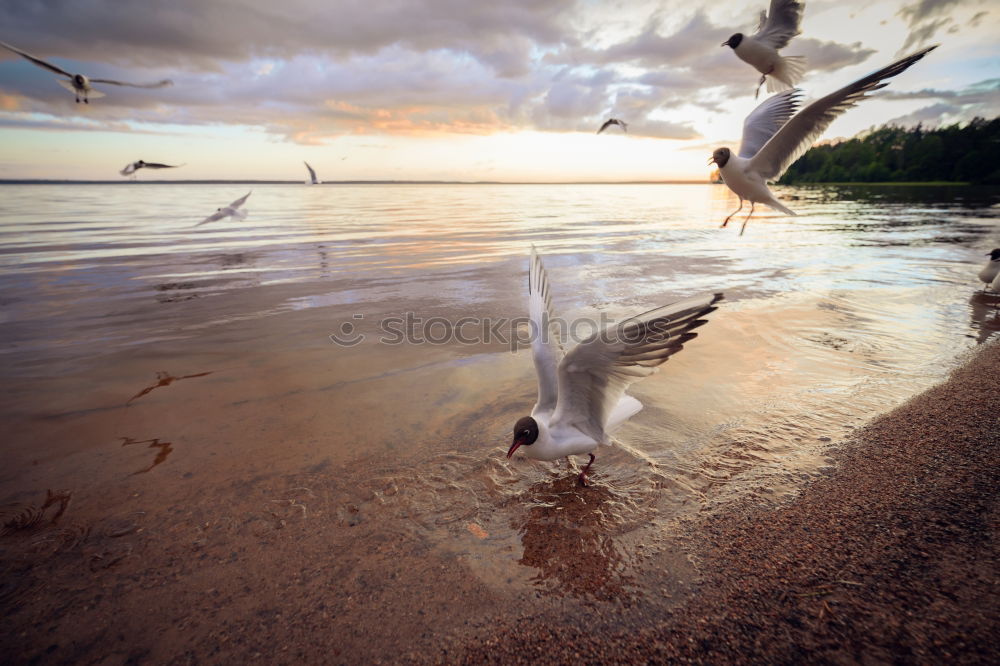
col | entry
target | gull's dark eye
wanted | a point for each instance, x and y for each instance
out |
(526, 433)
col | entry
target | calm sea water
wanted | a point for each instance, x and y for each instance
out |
(184, 377)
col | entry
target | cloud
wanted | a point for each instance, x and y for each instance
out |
(925, 18)
(950, 106)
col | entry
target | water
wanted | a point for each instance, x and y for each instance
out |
(179, 388)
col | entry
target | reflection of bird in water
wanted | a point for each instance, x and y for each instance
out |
(581, 394)
(78, 84)
(567, 537)
(985, 315)
(991, 271)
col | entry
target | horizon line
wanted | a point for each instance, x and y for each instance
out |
(74, 181)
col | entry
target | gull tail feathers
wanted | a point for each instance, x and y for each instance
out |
(777, 205)
(788, 73)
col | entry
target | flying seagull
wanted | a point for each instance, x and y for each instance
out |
(312, 175)
(773, 138)
(614, 121)
(78, 84)
(776, 29)
(991, 271)
(230, 210)
(581, 394)
(132, 167)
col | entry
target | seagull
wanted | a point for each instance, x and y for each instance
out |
(312, 175)
(131, 168)
(773, 138)
(78, 84)
(991, 271)
(761, 48)
(614, 121)
(581, 394)
(230, 210)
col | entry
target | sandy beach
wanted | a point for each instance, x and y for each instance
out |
(890, 559)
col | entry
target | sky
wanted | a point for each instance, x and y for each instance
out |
(452, 89)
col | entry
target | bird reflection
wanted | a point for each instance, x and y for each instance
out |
(568, 537)
(984, 309)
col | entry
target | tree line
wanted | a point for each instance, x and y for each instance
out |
(896, 154)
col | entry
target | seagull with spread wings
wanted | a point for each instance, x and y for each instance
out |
(613, 121)
(777, 27)
(773, 138)
(78, 84)
(132, 167)
(232, 210)
(581, 393)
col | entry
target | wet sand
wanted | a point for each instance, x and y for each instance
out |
(890, 559)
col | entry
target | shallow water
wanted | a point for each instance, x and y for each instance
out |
(225, 461)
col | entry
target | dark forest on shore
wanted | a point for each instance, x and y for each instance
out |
(952, 153)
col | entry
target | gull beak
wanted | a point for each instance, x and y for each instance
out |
(513, 447)
(711, 160)
(725, 43)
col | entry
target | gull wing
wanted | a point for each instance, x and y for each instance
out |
(312, 173)
(38, 61)
(158, 84)
(546, 349)
(765, 121)
(157, 165)
(613, 121)
(797, 135)
(217, 215)
(593, 376)
(239, 202)
(780, 24)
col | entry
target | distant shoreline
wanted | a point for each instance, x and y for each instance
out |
(34, 181)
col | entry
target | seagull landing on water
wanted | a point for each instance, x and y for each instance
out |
(232, 210)
(312, 175)
(991, 271)
(776, 29)
(581, 394)
(78, 84)
(773, 138)
(614, 121)
(130, 169)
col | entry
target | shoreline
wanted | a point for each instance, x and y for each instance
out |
(889, 558)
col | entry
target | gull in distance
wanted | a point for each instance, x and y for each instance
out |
(232, 210)
(78, 84)
(614, 121)
(312, 175)
(132, 167)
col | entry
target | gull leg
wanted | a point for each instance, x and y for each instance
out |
(752, 204)
(584, 481)
(763, 78)
(731, 215)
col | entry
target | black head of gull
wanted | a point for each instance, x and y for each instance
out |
(720, 156)
(733, 41)
(525, 434)
(995, 254)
